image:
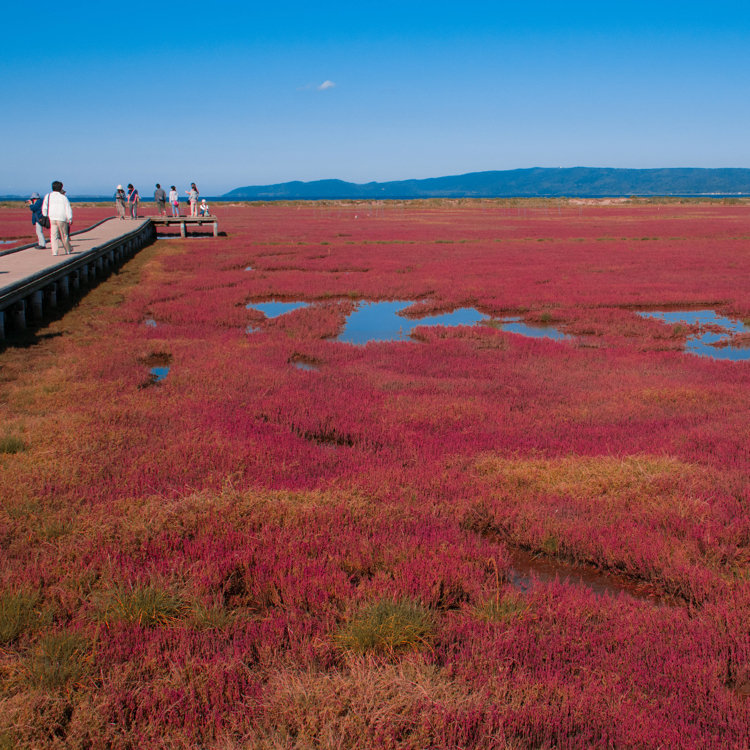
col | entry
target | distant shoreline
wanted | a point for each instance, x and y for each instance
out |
(655, 198)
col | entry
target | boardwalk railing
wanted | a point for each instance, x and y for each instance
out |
(36, 283)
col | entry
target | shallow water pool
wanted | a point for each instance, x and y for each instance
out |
(703, 343)
(514, 325)
(273, 309)
(380, 321)
(159, 373)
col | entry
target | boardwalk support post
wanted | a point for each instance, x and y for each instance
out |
(50, 295)
(37, 305)
(19, 315)
(63, 288)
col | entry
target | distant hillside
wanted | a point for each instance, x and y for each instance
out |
(588, 182)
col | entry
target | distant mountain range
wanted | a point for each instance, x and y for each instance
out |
(584, 182)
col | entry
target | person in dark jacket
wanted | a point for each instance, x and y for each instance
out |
(133, 200)
(35, 205)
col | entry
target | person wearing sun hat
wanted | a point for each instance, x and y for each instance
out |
(35, 206)
(120, 201)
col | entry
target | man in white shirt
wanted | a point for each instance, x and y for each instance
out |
(56, 206)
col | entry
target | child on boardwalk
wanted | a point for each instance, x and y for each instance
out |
(174, 201)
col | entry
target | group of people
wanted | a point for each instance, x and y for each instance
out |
(127, 204)
(52, 210)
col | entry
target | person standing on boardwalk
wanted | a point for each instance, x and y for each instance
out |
(120, 200)
(174, 200)
(133, 199)
(56, 207)
(35, 206)
(160, 197)
(193, 198)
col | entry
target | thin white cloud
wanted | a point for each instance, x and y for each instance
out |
(326, 85)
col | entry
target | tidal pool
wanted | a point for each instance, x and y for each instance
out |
(701, 344)
(380, 321)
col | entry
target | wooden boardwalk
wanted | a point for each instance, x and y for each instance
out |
(32, 280)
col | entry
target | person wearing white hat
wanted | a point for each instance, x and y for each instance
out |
(35, 205)
(120, 201)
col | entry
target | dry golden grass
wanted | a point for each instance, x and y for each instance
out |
(592, 476)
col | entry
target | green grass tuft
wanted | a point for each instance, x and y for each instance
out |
(11, 444)
(145, 605)
(58, 659)
(20, 612)
(506, 609)
(389, 627)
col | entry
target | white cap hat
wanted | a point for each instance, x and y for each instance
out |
(119, 187)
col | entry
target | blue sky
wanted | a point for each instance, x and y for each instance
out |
(231, 94)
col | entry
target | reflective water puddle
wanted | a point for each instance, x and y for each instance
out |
(527, 571)
(150, 323)
(514, 325)
(380, 321)
(158, 374)
(273, 309)
(248, 268)
(305, 366)
(704, 343)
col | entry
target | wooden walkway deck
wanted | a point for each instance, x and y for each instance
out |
(186, 221)
(32, 280)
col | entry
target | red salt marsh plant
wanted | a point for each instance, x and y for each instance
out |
(248, 554)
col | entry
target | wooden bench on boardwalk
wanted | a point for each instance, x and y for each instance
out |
(184, 221)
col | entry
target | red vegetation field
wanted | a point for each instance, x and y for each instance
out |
(251, 555)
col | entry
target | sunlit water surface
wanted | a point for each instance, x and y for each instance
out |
(381, 321)
(701, 344)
